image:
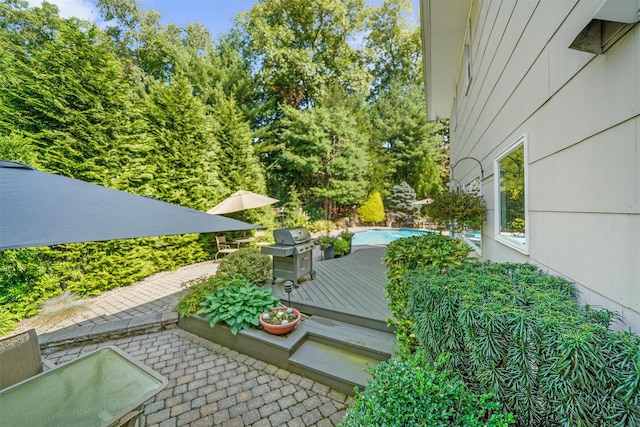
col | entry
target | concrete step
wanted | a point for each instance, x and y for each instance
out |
(338, 368)
(366, 341)
(336, 353)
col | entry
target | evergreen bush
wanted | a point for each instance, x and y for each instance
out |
(416, 392)
(249, 262)
(400, 202)
(405, 255)
(519, 333)
(372, 211)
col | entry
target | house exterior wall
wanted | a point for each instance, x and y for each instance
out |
(580, 114)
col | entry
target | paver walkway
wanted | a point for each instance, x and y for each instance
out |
(209, 385)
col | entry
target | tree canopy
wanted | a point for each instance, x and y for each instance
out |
(319, 103)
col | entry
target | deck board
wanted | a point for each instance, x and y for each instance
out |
(352, 285)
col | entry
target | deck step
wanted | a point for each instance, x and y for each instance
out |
(366, 341)
(339, 368)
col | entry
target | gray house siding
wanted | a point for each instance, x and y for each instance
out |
(580, 115)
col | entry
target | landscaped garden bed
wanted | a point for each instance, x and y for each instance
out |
(508, 329)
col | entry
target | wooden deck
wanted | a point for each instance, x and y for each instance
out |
(348, 289)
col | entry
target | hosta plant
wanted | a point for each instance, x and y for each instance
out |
(238, 306)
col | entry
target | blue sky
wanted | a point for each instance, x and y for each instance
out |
(216, 15)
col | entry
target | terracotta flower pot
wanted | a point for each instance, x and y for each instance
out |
(280, 329)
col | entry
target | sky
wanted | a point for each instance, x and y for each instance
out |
(216, 15)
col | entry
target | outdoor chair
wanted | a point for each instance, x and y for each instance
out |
(20, 358)
(224, 247)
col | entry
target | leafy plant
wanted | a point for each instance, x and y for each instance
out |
(346, 235)
(237, 306)
(341, 247)
(7, 321)
(322, 225)
(411, 253)
(519, 333)
(458, 210)
(416, 392)
(198, 290)
(249, 262)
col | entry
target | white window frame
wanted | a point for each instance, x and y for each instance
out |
(466, 239)
(517, 243)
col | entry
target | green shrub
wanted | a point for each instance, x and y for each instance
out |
(519, 333)
(7, 321)
(322, 226)
(238, 306)
(372, 211)
(340, 247)
(405, 255)
(250, 263)
(25, 281)
(414, 392)
(198, 290)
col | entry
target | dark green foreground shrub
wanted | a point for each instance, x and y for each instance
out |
(405, 255)
(519, 333)
(414, 392)
(249, 262)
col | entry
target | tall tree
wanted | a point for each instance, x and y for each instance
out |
(393, 46)
(185, 154)
(303, 48)
(324, 150)
(402, 140)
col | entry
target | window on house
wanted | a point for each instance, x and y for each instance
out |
(511, 200)
(473, 237)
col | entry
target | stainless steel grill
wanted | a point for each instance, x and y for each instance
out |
(292, 254)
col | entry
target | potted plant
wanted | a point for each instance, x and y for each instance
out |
(347, 236)
(327, 245)
(458, 210)
(280, 320)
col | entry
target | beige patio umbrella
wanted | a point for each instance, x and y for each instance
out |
(241, 200)
(422, 202)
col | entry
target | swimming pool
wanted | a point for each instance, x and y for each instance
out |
(385, 236)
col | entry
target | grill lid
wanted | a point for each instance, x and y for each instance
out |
(291, 236)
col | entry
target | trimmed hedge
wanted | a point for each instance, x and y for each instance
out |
(415, 392)
(405, 255)
(519, 333)
(249, 262)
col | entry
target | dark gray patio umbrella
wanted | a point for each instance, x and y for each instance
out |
(41, 209)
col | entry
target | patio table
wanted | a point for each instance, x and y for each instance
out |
(244, 240)
(94, 390)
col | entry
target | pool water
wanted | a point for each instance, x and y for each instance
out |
(385, 236)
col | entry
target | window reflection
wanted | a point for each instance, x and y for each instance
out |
(512, 194)
(473, 236)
